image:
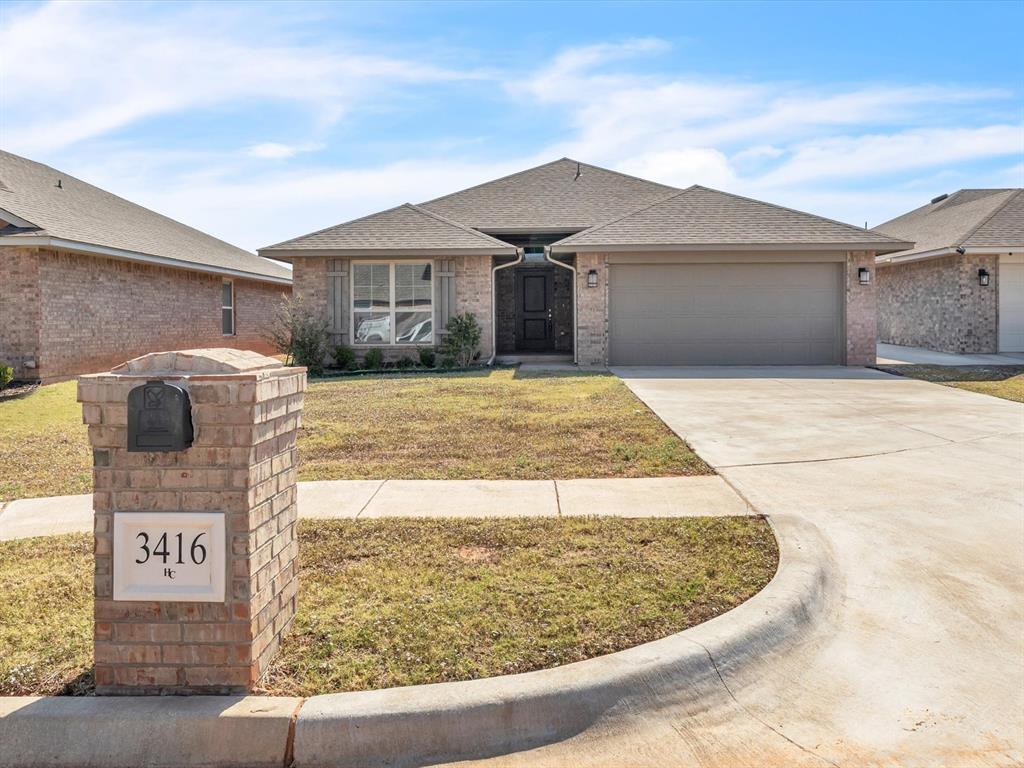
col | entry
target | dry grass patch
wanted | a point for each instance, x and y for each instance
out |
(499, 424)
(1005, 381)
(405, 602)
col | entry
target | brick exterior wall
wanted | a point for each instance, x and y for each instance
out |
(861, 310)
(19, 310)
(473, 294)
(938, 304)
(243, 462)
(592, 310)
(91, 313)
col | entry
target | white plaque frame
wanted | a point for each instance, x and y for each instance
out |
(198, 583)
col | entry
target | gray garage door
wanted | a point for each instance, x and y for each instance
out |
(726, 314)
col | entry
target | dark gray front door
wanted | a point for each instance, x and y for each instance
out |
(533, 311)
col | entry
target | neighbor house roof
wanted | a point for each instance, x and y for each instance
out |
(44, 206)
(969, 219)
(564, 195)
(702, 218)
(406, 230)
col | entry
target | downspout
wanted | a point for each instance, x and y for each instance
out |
(575, 289)
(494, 306)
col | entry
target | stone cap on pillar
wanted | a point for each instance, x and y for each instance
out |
(219, 360)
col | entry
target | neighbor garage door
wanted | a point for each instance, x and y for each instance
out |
(726, 314)
(1011, 305)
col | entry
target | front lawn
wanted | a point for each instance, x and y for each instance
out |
(406, 602)
(488, 424)
(1005, 381)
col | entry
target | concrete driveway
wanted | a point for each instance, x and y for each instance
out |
(918, 659)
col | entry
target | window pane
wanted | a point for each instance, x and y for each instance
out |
(225, 294)
(413, 327)
(227, 321)
(371, 286)
(372, 327)
(412, 285)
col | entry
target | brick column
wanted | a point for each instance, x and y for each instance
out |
(592, 310)
(245, 410)
(861, 310)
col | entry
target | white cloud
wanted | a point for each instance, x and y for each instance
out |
(271, 150)
(683, 167)
(81, 70)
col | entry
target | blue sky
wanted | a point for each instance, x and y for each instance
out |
(260, 122)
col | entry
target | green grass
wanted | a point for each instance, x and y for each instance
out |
(44, 447)
(404, 602)
(500, 424)
(495, 424)
(1005, 381)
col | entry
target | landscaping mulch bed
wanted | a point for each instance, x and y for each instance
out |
(18, 389)
(405, 602)
(1005, 381)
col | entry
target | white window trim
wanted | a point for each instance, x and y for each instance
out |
(234, 323)
(392, 309)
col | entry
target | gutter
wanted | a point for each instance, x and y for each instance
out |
(494, 307)
(575, 289)
(117, 253)
(947, 251)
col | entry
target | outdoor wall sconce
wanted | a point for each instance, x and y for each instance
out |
(983, 277)
(592, 279)
(864, 275)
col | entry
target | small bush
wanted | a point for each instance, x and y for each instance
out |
(373, 360)
(463, 341)
(344, 357)
(405, 363)
(428, 357)
(6, 374)
(299, 333)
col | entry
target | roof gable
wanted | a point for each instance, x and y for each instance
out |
(65, 208)
(405, 228)
(564, 194)
(969, 217)
(699, 216)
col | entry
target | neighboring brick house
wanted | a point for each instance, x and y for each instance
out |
(572, 261)
(89, 280)
(960, 289)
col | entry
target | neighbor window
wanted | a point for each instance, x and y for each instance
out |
(392, 303)
(227, 308)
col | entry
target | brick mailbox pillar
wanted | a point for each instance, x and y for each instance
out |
(196, 569)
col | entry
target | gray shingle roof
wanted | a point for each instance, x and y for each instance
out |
(982, 218)
(698, 216)
(549, 197)
(79, 212)
(406, 228)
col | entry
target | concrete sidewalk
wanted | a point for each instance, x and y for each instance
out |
(632, 497)
(891, 354)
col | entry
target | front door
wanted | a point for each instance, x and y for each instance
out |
(533, 310)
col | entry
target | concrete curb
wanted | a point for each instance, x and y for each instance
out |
(430, 724)
(145, 732)
(447, 722)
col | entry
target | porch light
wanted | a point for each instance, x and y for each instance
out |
(592, 279)
(864, 275)
(983, 277)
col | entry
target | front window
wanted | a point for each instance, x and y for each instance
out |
(392, 303)
(227, 308)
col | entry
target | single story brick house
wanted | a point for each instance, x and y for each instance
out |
(587, 264)
(960, 289)
(89, 280)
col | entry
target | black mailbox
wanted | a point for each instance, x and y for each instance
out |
(159, 418)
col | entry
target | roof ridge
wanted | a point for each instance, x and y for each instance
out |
(493, 181)
(971, 232)
(457, 224)
(616, 220)
(802, 213)
(623, 175)
(65, 175)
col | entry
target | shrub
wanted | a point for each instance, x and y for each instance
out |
(428, 357)
(405, 363)
(463, 340)
(299, 333)
(344, 357)
(6, 374)
(373, 360)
